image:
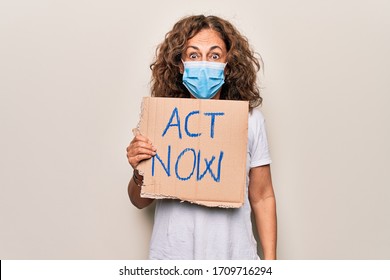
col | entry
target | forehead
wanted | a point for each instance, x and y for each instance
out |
(207, 37)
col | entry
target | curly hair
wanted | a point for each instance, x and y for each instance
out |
(240, 72)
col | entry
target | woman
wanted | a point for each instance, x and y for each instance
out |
(203, 47)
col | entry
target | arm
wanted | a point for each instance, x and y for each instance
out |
(134, 191)
(262, 199)
(140, 148)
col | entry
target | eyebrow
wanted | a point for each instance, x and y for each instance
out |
(212, 48)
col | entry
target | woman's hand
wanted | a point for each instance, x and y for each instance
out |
(139, 149)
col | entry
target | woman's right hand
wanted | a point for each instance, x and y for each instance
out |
(139, 149)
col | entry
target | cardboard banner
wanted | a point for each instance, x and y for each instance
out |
(201, 150)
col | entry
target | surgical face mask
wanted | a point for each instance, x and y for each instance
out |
(203, 78)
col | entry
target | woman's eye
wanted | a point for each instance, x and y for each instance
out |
(215, 56)
(193, 56)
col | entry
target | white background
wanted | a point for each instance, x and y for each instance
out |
(72, 75)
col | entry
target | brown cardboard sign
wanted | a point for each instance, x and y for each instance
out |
(201, 150)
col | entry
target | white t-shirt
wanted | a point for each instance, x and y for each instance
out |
(183, 230)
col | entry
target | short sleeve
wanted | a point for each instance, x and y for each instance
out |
(257, 139)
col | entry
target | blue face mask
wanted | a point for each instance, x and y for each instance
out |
(203, 78)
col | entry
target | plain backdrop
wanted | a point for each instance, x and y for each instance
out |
(72, 75)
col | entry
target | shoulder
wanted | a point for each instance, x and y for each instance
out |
(255, 123)
(255, 117)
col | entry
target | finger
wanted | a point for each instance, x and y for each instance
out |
(141, 138)
(141, 144)
(141, 151)
(136, 131)
(134, 161)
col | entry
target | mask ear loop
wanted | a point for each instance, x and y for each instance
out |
(181, 67)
